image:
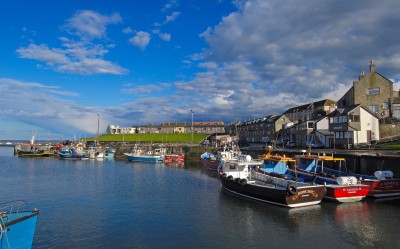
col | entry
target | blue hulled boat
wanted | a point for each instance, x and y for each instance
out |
(138, 155)
(17, 227)
(71, 153)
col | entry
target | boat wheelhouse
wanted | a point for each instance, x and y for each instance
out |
(241, 177)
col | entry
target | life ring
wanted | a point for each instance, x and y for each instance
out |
(291, 189)
(229, 178)
(243, 182)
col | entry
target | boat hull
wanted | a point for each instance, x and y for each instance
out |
(210, 164)
(383, 188)
(346, 193)
(305, 195)
(378, 188)
(20, 229)
(335, 192)
(153, 159)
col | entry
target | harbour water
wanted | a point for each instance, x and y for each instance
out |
(114, 204)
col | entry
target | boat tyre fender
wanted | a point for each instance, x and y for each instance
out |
(229, 178)
(243, 182)
(292, 190)
(223, 175)
(236, 180)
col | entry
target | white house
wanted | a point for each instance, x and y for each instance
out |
(353, 125)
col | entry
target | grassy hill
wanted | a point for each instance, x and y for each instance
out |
(154, 138)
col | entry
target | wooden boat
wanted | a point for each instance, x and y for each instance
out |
(17, 228)
(312, 168)
(241, 177)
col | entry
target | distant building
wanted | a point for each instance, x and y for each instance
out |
(171, 127)
(115, 129)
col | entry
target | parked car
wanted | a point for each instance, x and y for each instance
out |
(315, 144)
(290, 144)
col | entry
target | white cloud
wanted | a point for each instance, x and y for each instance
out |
(141, 89)
(43, 53)
(141, 39)
(127, 30)
(172, 17)
(165, 36)
(89, 24)
(46, 108)
(82, 56)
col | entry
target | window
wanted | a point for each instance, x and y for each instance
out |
(374, 108)
(335, 120)
(396, 111)
(385, 105)
(373, 91)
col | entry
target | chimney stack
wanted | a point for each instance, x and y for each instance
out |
(372, 66)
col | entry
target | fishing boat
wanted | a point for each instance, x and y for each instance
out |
(340, 188)
(209, 160)
(241, 177)
(381, 184)
(71, 154)
(148, 155)
(31, 149)
(174, 158)
(212, 160)
(17, 227)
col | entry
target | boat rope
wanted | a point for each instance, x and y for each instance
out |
(3, 230)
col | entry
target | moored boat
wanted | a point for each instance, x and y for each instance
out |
(32, 149)
(209, 160)
(71, 154)
(139, 155)
(381, 184)
(241, 177)
(313, 168)
(17, 227)
(212, 160)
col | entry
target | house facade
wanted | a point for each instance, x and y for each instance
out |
(375, 92)
(352, 126)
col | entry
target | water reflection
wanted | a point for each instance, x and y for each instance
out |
(114, 204)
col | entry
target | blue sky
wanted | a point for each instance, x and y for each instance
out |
(138, 62)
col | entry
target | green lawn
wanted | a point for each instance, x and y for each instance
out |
(154, 138)
(388, 146)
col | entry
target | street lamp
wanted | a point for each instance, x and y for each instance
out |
(98, 126)
(191, 140)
